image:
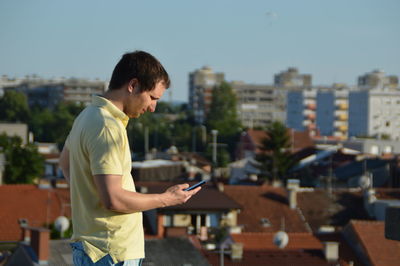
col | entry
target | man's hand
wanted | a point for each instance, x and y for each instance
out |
(176, 195)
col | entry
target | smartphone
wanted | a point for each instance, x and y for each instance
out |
(195, 185)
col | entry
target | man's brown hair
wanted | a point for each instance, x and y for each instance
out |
(142, 66)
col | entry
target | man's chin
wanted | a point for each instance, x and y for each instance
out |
(137, 115)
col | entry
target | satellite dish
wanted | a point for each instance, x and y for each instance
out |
(61, 224)
(364, 182)
(281, 239)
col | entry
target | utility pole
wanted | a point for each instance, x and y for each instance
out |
(214, 132)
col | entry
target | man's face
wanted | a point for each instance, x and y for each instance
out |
(141, 102)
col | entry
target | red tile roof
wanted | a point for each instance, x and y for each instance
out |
(258, 241)
(378, 249)
(208, 198)
(336, 209)
(253, 139)
(265, 202)
(38, 206)
(274, 258)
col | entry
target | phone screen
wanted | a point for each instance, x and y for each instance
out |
(195, 186)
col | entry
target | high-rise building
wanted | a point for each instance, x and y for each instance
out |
(374, 113)
(201, 84)
(332, 111)
(301, 110)
(377, 79)
(258, 105)
(292, 78)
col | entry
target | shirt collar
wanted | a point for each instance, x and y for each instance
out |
(110, 107)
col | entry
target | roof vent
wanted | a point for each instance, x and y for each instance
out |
(281, 239)
(265, 222)
(23, 222)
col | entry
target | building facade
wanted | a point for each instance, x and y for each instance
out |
(377, 79)
(201, 84)
(258, 105)
(332, 112)
(374, 113)
(47, 93)
(301, 110)
(292, 78)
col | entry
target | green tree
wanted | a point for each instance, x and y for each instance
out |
(14, 107)
(23, 163)
(275, 157)
(223, 157)
(59, 120)
(223, 116)
(166, 127)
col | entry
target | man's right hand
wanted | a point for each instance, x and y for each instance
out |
(176, 195)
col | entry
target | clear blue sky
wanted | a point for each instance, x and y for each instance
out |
(335, 41)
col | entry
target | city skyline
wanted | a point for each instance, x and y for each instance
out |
(251, 42)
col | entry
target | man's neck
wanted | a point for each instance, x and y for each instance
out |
(115, 97)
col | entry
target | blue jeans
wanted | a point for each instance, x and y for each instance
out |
(80, 258)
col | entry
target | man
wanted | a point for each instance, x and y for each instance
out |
(96, 161)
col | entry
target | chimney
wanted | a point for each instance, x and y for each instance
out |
(236, 251)
(331, 251)
(26, 232)
(40, 244)
(292, 187)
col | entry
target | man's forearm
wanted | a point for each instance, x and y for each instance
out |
(114, 197)
(128, 202)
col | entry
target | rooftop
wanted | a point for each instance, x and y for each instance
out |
(209, 198)
(274, 258)
(261, 241)
(378, 249)
(38, 206)
(265, 202)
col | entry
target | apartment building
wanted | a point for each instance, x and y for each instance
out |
(81, 90)
(377, 79)
(201, 83)
(301, 110)
(258, 105)
(49, 92)
(374, 112)
(292, 78)
(332, 111)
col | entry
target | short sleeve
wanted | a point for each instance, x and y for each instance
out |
(105, 152)
(66, 144)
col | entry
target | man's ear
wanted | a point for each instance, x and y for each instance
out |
(133, 83)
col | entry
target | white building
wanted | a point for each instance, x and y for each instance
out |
(374, 113)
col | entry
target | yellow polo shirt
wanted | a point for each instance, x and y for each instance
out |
(98, 144)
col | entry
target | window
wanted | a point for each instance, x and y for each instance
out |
(375, 149)
(388, 149)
